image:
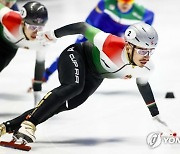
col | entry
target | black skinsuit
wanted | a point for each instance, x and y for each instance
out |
(78, 82)
(79, 79)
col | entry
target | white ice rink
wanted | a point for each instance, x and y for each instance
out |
(115, 120)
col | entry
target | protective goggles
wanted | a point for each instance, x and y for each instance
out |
(126, 1)
(34, 27)
(144, 52)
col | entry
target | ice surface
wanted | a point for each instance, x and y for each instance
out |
(115, 119)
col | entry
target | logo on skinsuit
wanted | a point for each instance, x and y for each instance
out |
(71, 49)
(73, 59)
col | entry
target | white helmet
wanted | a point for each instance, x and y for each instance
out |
(142, 35)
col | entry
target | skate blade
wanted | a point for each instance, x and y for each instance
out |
(20, 136)
(14, 145)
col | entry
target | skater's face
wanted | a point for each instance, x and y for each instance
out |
(140, 55)
(8, 3)
(31, 31)
(125, 5)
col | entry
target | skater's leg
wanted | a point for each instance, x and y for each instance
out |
(50, 70)
(14, 124)
(72, 78)
(91, 84)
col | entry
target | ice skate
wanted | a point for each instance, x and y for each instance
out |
(15, 145)
(2, 129)
(26, 132)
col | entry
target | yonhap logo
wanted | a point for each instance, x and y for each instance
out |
(154, 140)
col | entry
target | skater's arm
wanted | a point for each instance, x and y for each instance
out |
(10, 19)
(50, 70)
(148, 17)
(147, 94)
(148, 97)
(38, 75)
(77, 28)
(39, 69)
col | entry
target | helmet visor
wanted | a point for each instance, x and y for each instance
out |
(34, 27)
(144, 52)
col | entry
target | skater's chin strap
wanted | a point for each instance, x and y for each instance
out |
(24, 31)
(132, 55)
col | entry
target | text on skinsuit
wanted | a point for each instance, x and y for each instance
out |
(73, 59)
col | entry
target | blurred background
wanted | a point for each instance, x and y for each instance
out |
(115, 119)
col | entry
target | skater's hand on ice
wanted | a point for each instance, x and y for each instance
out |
(162, 126)
(46, 36)
(158, 120)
